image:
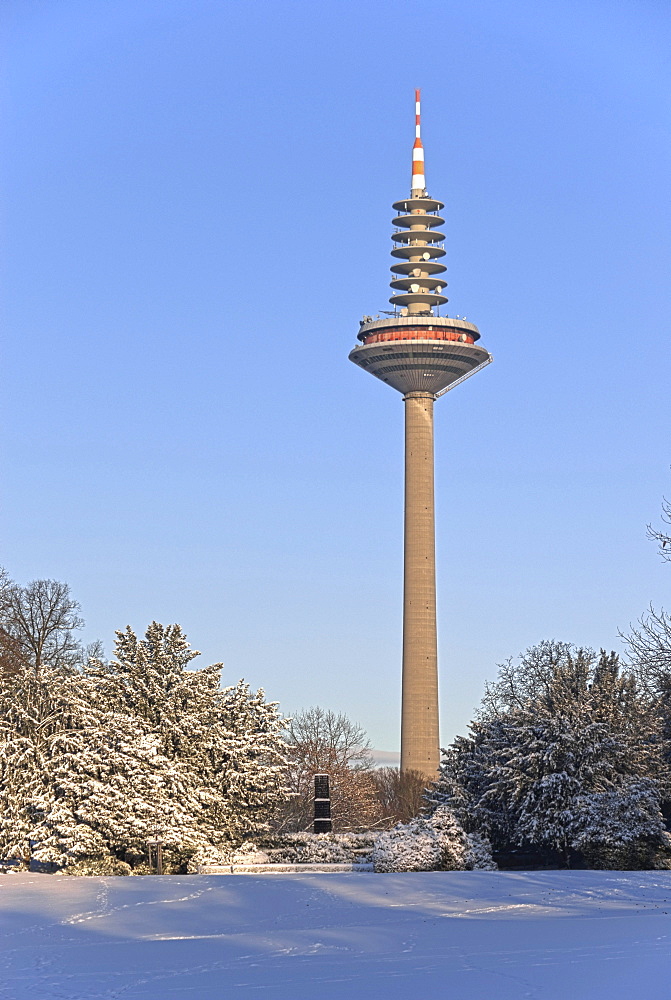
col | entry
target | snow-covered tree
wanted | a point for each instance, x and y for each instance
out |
(225, 745)
(97, 758)
(73, 773)
(37, 711)
(566, 754)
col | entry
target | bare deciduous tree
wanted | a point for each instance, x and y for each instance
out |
(11, 657)
(649, 645)
(400, 793)
(323, 742)
(662, 537)
(327, 738)
(38, 623)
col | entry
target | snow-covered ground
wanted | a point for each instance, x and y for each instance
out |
(452, 935)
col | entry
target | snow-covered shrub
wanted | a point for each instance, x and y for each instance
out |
(479, 853)
(452, 839)
(626, 814)
(435, 843)
(292, 848)
(408, 847)
(177, 857)
(326, 848)
(249, 854)
(208, 855)
(107, 865)
(622, 828)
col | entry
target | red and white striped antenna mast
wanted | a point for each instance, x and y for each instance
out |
(418, 184)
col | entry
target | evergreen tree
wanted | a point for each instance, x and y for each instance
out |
(566, 754)
(225, 746)
(95, 758)
(73, 773)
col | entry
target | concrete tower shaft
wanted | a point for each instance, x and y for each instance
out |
(422, 355)
(420, 737)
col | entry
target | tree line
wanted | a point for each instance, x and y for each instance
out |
(98, 756)
(567, 761)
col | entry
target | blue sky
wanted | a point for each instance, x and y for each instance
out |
(198, 213)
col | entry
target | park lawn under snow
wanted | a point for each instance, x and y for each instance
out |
(457, 935)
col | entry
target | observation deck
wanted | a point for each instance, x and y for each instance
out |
(419, 353)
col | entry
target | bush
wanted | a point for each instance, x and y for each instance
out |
(636, 855)
(177, 858)
(409, 847)
(105, 865)
(327, 848)
(479, 855)
(209, 855)
(437, 843)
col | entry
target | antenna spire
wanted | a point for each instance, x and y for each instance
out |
(418, 179)
(418, 244)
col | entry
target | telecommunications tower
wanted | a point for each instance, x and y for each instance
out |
(423, 355)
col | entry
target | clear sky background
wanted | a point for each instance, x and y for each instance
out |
(198, 213)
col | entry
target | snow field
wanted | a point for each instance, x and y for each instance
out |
(583, 935)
